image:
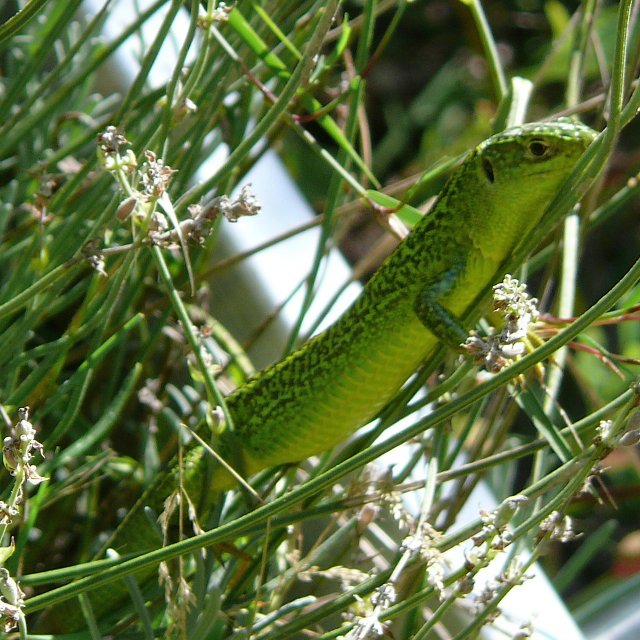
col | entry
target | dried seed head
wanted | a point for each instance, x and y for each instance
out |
(155, 176)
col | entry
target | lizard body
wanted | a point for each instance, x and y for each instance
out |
(439, 275)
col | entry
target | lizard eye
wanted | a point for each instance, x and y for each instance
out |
(487, 167)
(538, 148)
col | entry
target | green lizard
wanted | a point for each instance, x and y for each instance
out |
(428, 291)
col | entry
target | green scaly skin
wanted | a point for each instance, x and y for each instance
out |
(431, 289)
(442, 273)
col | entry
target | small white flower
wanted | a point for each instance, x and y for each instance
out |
(519, 311)
(246, 204)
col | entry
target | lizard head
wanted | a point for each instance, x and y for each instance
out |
(517, 173)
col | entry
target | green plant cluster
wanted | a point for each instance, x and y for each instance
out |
(111, 348)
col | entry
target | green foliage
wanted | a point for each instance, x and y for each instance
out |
(103, 338)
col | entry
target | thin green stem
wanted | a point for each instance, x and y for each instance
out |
(67, 269)
(273, 115)
(13, 25)
(491, 51)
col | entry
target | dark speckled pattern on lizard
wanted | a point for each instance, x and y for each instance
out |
(338, 381)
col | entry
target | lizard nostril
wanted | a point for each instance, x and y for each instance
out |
(488, 170)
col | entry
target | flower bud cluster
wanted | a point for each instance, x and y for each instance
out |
(519, 311)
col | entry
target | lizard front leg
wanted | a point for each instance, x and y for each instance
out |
(435, 316)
